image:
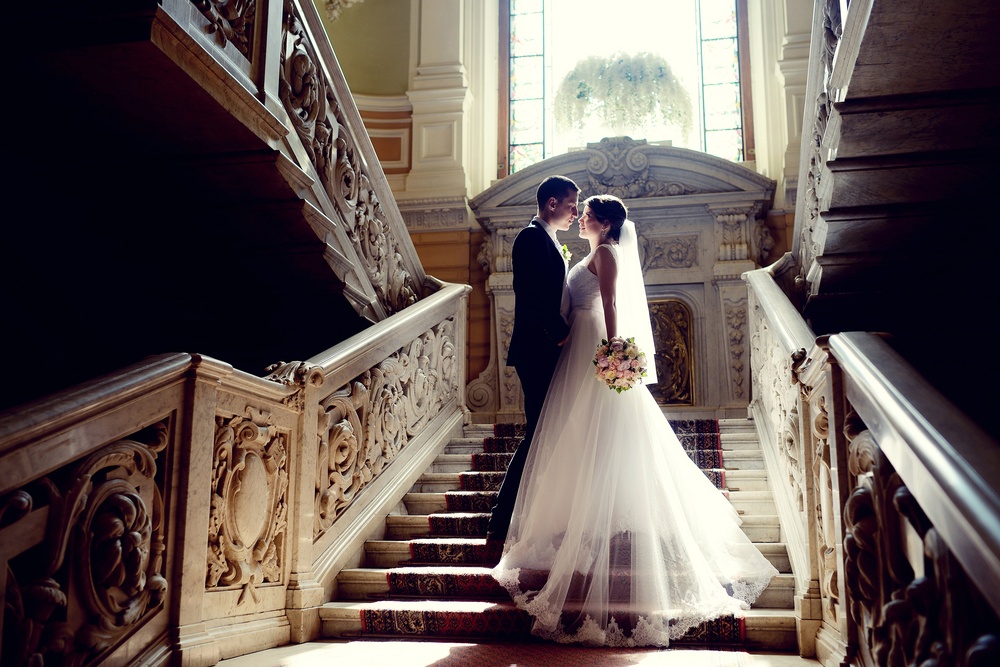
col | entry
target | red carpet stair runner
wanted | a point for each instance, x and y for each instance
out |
(430, 578)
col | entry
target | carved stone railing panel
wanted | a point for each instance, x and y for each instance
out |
(83, 553)
(700, 225)
(246, 530)
(367, 422)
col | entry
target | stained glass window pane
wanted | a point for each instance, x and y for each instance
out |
(525, 155)
(718, 19)
(526, 35)
(722, 106)
(720, 61)
(727, 144)
(526, 78)
(527, 118)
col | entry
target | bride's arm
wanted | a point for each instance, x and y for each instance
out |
(606, 269)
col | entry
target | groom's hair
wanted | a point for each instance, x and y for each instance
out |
(555, 186)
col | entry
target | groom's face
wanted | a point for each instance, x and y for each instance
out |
(565, 211)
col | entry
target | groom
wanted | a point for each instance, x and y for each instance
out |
(539, 326)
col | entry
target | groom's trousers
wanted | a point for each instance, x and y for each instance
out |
(535, 379)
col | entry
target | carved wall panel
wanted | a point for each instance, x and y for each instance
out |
(97, 573)
(935, 618)
(249, 514)
(674, 357)
(365, 424)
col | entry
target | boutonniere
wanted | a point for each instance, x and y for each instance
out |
(567, 255)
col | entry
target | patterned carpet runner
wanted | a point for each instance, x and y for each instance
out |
(449, 572)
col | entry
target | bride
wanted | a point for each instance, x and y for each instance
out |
(617, 538)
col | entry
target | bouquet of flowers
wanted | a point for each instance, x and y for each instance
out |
(620, 363)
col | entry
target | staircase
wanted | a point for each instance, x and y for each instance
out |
(430, 577)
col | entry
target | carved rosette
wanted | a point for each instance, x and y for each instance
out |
(936, 619)
(365, 424)
(319, 123)
(231, 21)
(249, 510)
(619, 166)
(106, 512)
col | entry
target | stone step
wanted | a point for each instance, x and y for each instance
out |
(745, 502)
(766, 629)
(758, 527)
(394, 553)
(373, 584)
(743, 459)
(438, 481)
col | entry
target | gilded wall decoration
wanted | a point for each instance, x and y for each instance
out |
(106, 513)
(939, 618)
(674, 356)
(320, 125)
(248, 518)
(674, 252)
(231, 21)
(619, 166)
(365, 424)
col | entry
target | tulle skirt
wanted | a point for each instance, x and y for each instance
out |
(617, 537)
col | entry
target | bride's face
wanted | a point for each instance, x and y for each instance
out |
(590, 226)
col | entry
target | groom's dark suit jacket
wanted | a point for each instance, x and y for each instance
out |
(539, 275)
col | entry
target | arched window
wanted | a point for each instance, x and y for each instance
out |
(581, 70)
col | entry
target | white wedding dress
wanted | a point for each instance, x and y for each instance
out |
(617, 537)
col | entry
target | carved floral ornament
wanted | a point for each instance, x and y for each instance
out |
(249, 510)
(365, 424)
(313, 109)
(231, 22)
(106, 513)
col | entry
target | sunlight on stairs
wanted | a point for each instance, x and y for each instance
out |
(430, 577)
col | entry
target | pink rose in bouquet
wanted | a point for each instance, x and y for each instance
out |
(620, 363)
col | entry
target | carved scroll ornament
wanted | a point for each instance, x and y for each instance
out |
(618, 166)
(365, 424)
(933, 620)
(106, 513)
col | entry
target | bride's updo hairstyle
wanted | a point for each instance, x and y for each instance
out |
(610, 210)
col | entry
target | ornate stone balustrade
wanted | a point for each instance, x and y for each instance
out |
(184, 507)
(272, 67)
(888, 496)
